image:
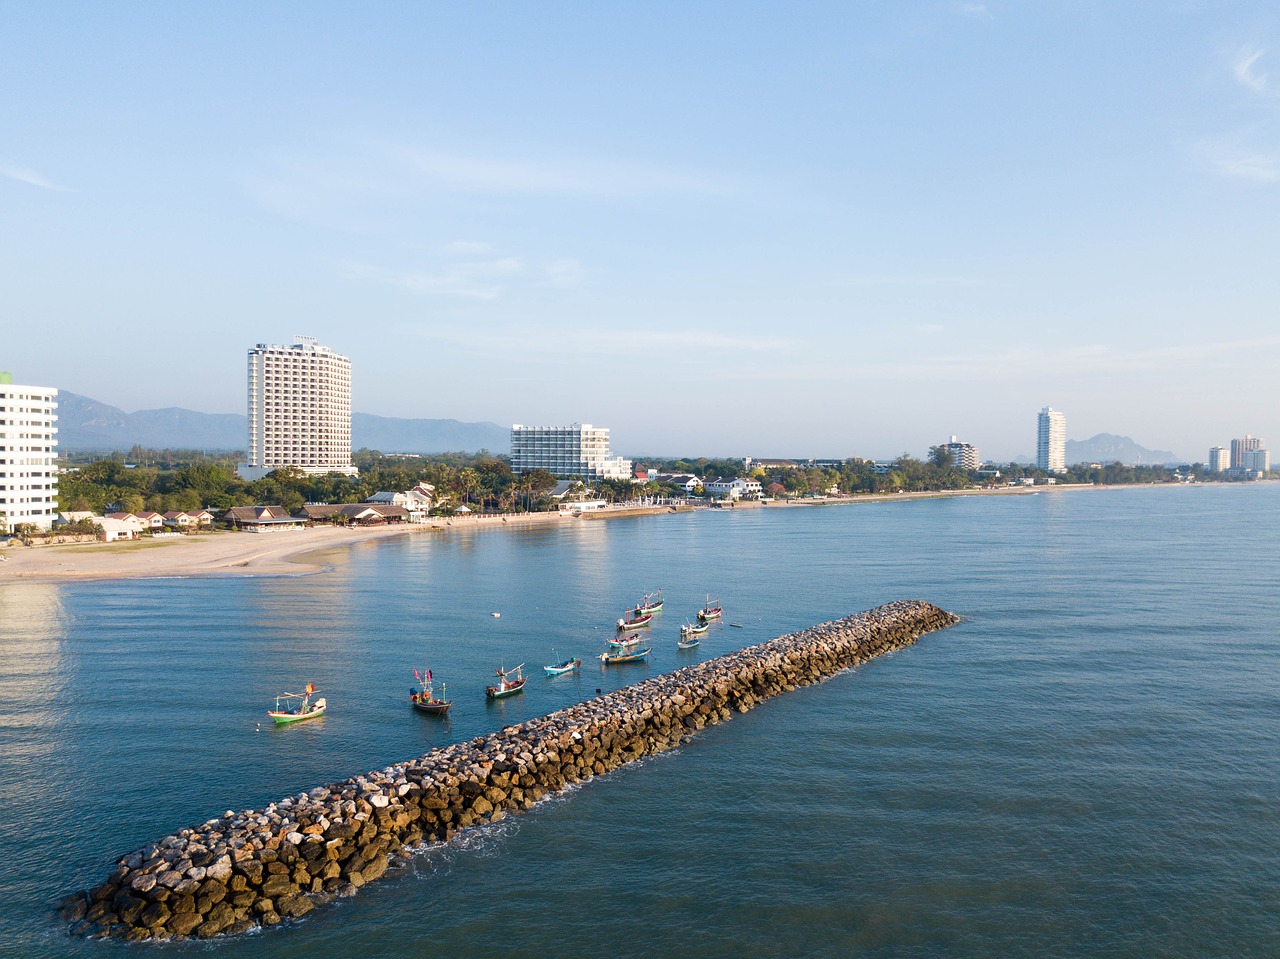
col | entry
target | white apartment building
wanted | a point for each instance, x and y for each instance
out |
(579, 450)
(299, 409)
(1256, 460)
(1242, 446)
(1219, 459)
(733, 488)
(1051, 443)
(28, 454)
(965, 456)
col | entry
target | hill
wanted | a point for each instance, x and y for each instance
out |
(1109, 448)
(86, 425)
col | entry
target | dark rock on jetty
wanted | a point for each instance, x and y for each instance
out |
(262, 867)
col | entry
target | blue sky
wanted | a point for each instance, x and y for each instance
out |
(724, 228)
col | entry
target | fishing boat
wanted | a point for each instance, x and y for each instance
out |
(425, 699)
(626, 641)
(690, 629)
(505, 686)
(295, 707)
(559, 669)
(652, 603)
(634, 620)
(688, 642)
(710, 611)
(623, 656)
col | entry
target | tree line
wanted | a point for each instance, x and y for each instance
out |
(163, 480)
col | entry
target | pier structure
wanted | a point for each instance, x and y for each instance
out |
(263, 867)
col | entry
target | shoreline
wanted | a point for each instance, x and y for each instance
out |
(285, 553)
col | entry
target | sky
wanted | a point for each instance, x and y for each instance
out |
(766, 229)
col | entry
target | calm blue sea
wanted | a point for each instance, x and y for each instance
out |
(1087, 765)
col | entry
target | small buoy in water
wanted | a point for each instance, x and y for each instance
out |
(497, 615)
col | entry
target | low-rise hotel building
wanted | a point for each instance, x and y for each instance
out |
(28, 455)
(579, 450)
(964, 456)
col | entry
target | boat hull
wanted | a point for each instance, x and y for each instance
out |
(609, 658)
(283, 719)
(496, 692)
(436, 707)
(566, 667)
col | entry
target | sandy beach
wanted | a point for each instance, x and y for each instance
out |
(219, 553)
(285, 552)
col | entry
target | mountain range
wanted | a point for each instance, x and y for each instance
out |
(1109, 448)
(86, 425)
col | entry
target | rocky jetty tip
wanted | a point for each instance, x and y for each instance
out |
(263, 867)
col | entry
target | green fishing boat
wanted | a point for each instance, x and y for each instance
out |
(295, 707)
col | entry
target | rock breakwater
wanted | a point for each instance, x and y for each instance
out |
(262, 867)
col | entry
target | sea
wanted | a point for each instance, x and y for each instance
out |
(1085, 766)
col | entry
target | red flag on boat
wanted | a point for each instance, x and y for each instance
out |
(310, 689)
(418, 676)
(428, 674)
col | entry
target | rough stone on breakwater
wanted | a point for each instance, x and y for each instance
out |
(262, 867)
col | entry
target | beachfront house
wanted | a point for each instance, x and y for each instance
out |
(417, 502)
(139, 526)
(68, 517)
(354, 514)
(733, 488)
(686, 481)
(177, 519)
(261, 519)
(118, 529)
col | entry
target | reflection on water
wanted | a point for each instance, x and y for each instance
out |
(32, 665)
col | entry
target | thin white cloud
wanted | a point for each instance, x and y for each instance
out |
(621, 343)
(564, 273)
(29, 177)
(1026, 362)
(467, 247)
(472, 279)
(1246, 74)
(480, 174)
(906, 279)
(476, 280)
(977, 11)
(1233, 157)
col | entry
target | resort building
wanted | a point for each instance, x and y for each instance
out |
(299, 410)
(1051, 442)
(686, 481)
(963, 455)
(580, 450)
(28, 455)
(1246, 444)
(1256, 461)
(733, 487)
(1219, 459)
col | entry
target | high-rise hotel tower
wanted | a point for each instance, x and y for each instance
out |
(299, 409)
(1051, 441)
(28, 455)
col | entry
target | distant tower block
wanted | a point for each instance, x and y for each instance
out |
(1051, 441)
